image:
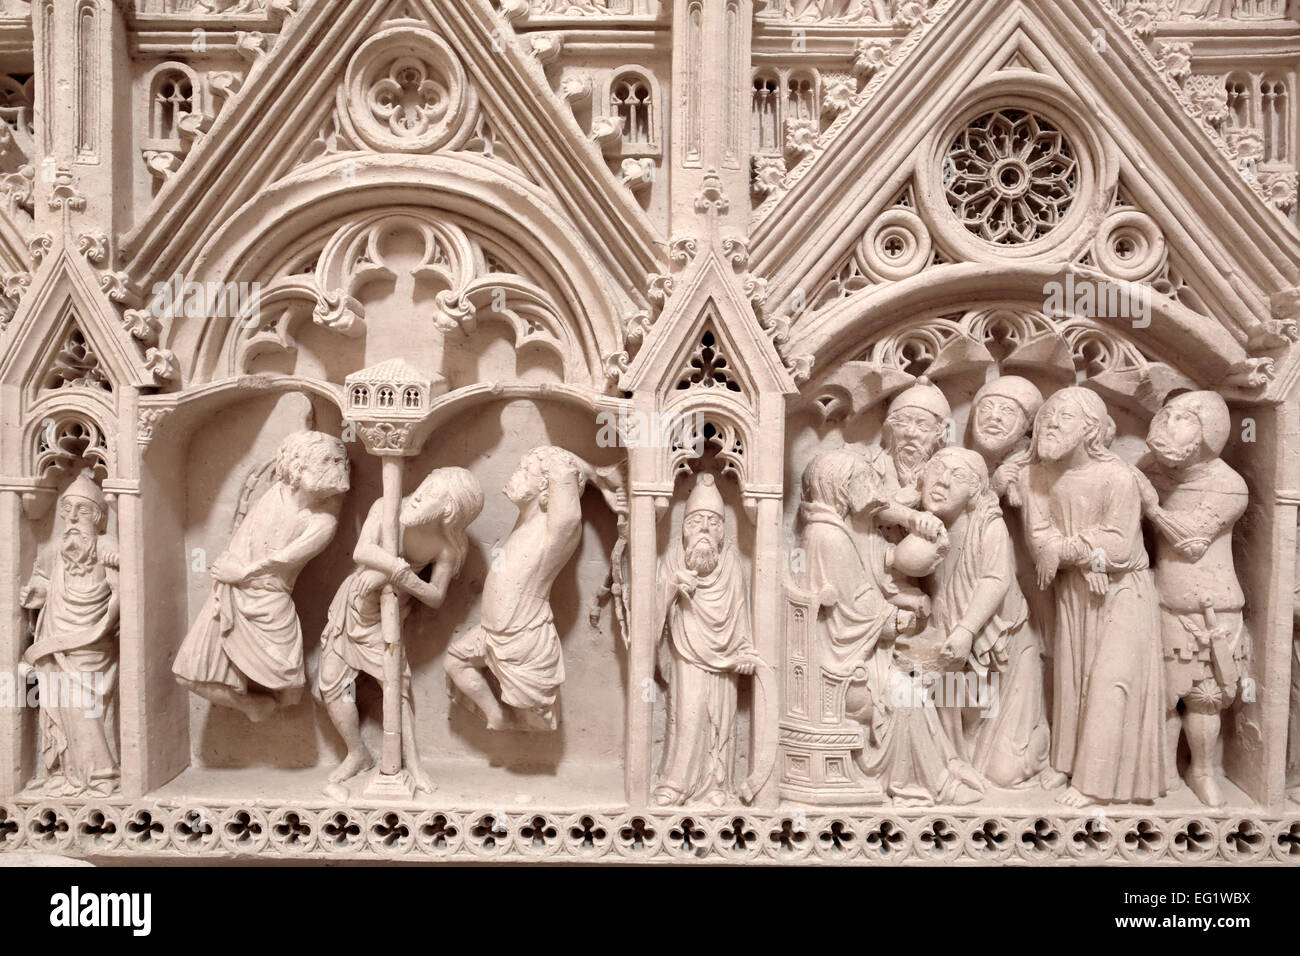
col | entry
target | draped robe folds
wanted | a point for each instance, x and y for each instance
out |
(1006, 737)
(78, 669)
(709, 633)
(852, 626)
(1108, 707)
(906, 747)
(251, 632)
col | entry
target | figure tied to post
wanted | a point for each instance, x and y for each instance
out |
(75, 650)
(434, 537)
(245, 649)
(515, 640)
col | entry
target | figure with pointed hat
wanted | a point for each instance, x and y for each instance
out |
(1193, 498)
(703, 605)
(75, 652)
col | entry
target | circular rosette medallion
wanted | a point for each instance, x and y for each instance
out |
(1010, 176)
(405, 91)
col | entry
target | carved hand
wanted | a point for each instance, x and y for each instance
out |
(1150, 498)
(748, 662)
(686, 581)
(1048, 564)
(229, 571)
(926, 525)
(32, 597)
(957, 647)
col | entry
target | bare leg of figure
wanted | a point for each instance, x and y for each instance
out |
(256, 707)
(1202, 727)
(471, 683)
(343, 714)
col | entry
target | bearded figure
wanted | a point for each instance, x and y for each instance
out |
(75, 651)
(1083, 516)
(1194, 499)
(703, 598)
(245, 649)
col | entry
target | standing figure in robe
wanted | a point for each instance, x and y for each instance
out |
(980, 609)
(75, 651)
(1083, 515)
(245, 649)
(433, 535)
(906, 747)
(1194, 499)
(704, 600)
(1002, 419)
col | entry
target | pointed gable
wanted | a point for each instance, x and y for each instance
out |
(66, 334)
(295, 88)
(1232, 250)
(706, 328)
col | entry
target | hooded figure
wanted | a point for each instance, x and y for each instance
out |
(1194, 499)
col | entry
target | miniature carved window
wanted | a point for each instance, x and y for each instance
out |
(801, 98)
(386, 398)
(1273, 106)
(411, 398)
(172, 98)
(765, 120)
(1260, 9)
(360, 397)
(1239, 104)
(631, 99)
(1010, 177)
(708, 367)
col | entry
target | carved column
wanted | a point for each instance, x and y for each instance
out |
(711, 77)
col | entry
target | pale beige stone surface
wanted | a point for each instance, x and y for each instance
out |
(933, 363)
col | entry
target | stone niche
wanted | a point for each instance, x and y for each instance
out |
(643, 431)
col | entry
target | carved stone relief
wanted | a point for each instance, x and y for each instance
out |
(934, 364)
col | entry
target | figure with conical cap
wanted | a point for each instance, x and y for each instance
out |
(703, 605)
(75, 651)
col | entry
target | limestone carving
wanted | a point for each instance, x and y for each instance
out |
(245, 649)
(434, 520)
(1083, 515)
(702, 598)
(1194, 499)
(75, 652)
(972, 325)
(516, 640)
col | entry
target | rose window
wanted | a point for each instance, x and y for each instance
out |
(1010, 177)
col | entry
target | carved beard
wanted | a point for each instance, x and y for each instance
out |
(1170, 455)
(80, 550)
(701, 555)
(909, 462)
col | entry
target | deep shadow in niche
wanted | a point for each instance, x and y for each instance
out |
(489, 440)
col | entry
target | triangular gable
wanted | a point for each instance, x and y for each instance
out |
(1241, 250)
(65, 297)
(709, 301)
(293, 86)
